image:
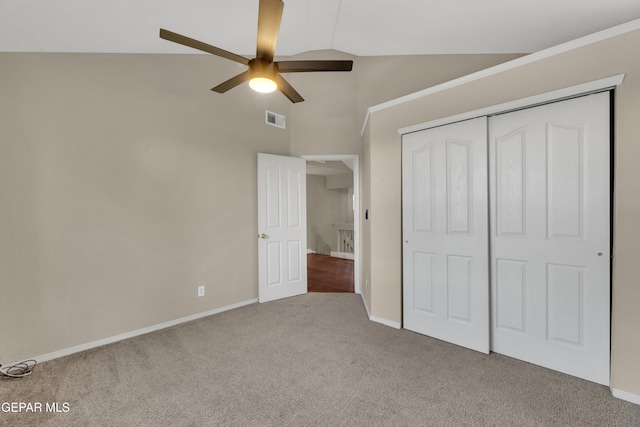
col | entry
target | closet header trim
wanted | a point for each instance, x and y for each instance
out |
(531, 101)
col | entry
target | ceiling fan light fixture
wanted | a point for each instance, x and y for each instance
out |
(262, 84)
(263, 72)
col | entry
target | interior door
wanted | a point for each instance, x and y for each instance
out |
(550, 236)
(282, 227)
(445, 233)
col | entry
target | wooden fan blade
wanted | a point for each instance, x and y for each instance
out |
(310, 66)
(232, 82)
(269, 17)
(186, 41)
(287, 90)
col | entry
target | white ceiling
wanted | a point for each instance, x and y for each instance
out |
(359, 27)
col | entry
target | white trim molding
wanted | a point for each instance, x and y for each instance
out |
(353, 162)
(138, 332)
(509, 65)
(625, 395)
(531, 101)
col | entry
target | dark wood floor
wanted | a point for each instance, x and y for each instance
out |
(329, 274)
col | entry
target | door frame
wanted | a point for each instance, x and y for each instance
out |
(354, 160)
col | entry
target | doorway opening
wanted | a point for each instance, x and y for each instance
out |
(332, 223)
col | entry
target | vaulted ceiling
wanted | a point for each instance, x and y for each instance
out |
(359, 27)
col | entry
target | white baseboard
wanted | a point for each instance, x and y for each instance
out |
(366, 307)
(126, 335)
(377, 319)
(625, 395)
(395, 325)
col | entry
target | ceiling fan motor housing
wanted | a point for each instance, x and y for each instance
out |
(259, 67)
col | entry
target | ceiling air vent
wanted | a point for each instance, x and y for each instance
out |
(274, 119)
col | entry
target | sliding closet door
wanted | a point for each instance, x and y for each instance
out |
(549, 171)
(445, 233)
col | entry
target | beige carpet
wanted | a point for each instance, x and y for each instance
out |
(304, 361)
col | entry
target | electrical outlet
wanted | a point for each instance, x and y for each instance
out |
(200, 291)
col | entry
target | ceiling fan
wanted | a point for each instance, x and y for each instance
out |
(263, 73)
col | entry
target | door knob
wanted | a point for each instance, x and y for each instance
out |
(264, 236)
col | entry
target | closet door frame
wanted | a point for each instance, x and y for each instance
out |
(602, 85)
(595, 86)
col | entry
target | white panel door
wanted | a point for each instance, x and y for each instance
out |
(445, 233)
(282, 227)
(550, 236)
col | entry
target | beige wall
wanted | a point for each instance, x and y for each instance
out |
(330, 120)
(327, 121)
(379, 80)
(383, 78)
(600, 60)
(115, 175)
(116, 203)
(331, 123)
